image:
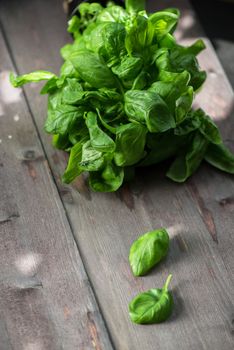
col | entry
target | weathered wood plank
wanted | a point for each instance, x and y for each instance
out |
(106, 224)
(46, 302)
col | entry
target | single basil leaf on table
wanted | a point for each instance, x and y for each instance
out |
(148, 250)
(73, 169)
(92, 70)
(187, 163)
(33, 77)
(148, 107)
(98, 138)
(220, 157)
(109, 179)
(130, 143)
(153, 306)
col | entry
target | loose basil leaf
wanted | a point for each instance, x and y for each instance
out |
(220, 157)
(92, 70)
(148, 250)
(148, 107)
(98, 138)
(130, 143)
(153, 306)
(107, 180)
(33, 77)
(73, 169)
(186, 164)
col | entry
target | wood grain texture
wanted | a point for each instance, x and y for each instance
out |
(46, 302)
(198, 215)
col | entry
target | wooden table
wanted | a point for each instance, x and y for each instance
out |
(65, 281)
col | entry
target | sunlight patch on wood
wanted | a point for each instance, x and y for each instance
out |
(28, 263)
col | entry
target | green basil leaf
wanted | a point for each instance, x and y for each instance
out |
(186, 164)
(61, 141)
(163, 22)
(100, 141)
(208, 128)
(107, 180)
(92, 70)
(220, 157)
(73, 169)
(148, 107)
(33, 77)
(61, 119)
(153, 306)
(130, 143)
(113, 13)
(91, 159)
(128, 68)
(139, 37)
(148, 250)
(163, 146)
(183, 104)
(72, 92)
(134, 6)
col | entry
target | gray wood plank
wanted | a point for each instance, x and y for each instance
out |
(46, 301)
(198, 214)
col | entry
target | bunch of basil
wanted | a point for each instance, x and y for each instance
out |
(124, 95)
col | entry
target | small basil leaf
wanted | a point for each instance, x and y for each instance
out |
(183, 104)
(92, 70)
(153, 306)
(60, 119)
(163, 146)
(72, 92)
(73, 169)
(91, 159)
(130, 143)
(208, 127)
(128, 68)
(61, 141)
(186, 164)
(98, 138)
(163, 22)
(139, 37)
(33, 77)
(134, 6)
(107, 180)
(148, 107)
(220, 157)
(148, 250)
